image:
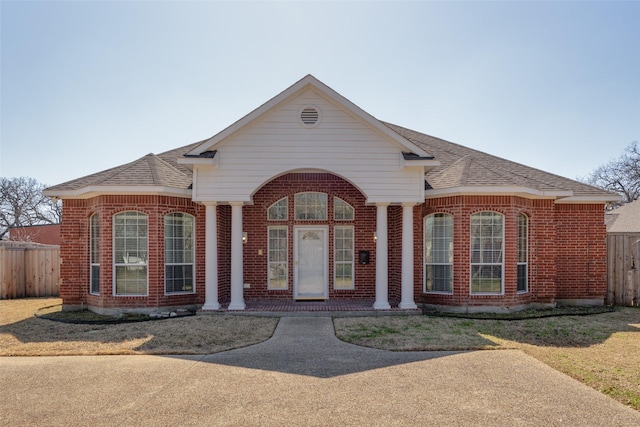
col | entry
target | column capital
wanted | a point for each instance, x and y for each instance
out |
(382, 204)
(209, 203)
(236, 203)
(408, 204)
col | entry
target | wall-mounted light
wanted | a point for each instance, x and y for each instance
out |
(375, 236)
(245, 237)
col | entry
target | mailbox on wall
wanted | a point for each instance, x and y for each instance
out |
(363, 257)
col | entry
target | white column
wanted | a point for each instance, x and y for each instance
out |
(237, 276)
(382, 259)
(407, 301)
(211, 258)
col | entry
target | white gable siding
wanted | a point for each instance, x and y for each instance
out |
(277, 143)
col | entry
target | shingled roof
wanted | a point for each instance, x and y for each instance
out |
(460, 168)
(625, 219)
(152, 170)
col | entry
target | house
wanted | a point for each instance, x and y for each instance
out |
(309, 197)
(47, 234)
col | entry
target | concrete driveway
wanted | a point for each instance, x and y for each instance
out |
(302, 376)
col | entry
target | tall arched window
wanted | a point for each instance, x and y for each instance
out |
(438, 253)
(94, 253)
(130, 253)
(178, 253)
(487, 249)
(523, 253)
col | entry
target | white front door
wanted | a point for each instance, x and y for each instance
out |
(311, 262)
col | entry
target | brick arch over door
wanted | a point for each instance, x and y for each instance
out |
(255, 223)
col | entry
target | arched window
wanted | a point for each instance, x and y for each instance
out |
(342, 211)
(279, 211)
(130, 253)
(178, 253)
(523, 253)
(310, 206)
(487, 249)
(94, 253)
(438, 253)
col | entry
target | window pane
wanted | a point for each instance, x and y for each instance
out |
(278, 255)
(523, 249)
(94, 254)
(343, 257)
(310, 206)
(438, 246)
(439, 278)
(342, 211)
(487, 232)
(178, 252)
(130, 253)
(279, 210)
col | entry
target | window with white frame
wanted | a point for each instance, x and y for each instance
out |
(343, 256)
(523, 253)
(130, 241)
(438, 253)
(342, 211)
(279, 211)
(310, 206)
(94, 253)
(178, 253)
(278, 255)
(487, 248)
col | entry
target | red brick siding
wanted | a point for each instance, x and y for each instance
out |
(581, 254)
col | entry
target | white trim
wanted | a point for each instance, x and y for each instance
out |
(332, 96)
(296, 258)
(590, 199)
(120, 190)
(525, 192)
(213, 162)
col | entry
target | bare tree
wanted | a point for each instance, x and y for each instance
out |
(22, 204)
(621, 175)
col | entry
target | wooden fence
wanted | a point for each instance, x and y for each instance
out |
(623, 269)
(29, 270)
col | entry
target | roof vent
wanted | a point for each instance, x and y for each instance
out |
(310, 116)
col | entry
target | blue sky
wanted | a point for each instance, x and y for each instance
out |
(86, 86)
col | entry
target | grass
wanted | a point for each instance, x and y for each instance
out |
(601, 350)
(22, 334)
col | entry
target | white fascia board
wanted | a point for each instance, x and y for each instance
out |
(95, 190)
(428, 163)
(591, 199)
(204, 161)
(330, 95)
(525, 192)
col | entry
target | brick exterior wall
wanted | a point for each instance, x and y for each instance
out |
(567, 247)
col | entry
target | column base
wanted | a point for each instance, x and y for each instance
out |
(407, 306)
(236, 306)
(381, 306)
(211, 307)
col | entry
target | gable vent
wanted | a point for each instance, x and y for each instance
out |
(309, 116)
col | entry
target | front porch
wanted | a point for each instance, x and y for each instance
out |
(341, 307)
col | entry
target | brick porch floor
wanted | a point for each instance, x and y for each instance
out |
(346, 305)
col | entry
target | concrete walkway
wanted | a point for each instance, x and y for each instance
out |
(302, 376)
